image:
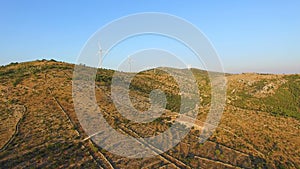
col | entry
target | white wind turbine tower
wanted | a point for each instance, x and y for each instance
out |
(129, 62)
(100, 53)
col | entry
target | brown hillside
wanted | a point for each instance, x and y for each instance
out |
(260, 126)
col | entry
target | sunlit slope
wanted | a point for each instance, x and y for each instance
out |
(39, 127)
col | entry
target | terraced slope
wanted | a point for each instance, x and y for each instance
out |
(260, 126)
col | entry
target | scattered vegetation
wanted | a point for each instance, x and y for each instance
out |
(251, 134)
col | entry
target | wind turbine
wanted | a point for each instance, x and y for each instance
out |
(100, 53)
(129, 62)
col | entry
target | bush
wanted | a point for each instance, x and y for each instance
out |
(9, 72)
(17, 81)
(13, 63)
(217, 152)
(103, 78)
(52, 60)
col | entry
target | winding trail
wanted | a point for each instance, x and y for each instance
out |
(16, 130)
(186, 120)
(90, 143)
(107, 163)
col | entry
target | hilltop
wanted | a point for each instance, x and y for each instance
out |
(260, 126)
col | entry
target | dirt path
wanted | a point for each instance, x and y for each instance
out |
(90, 143)
(16, 130)
(107, 163)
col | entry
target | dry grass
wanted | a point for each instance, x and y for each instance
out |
(249, 135)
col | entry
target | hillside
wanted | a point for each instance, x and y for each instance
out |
(260, 126)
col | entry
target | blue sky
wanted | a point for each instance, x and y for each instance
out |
(249, 36)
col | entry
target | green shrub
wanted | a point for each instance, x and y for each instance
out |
(17, 81)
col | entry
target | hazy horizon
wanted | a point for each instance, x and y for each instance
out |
(115, 69)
